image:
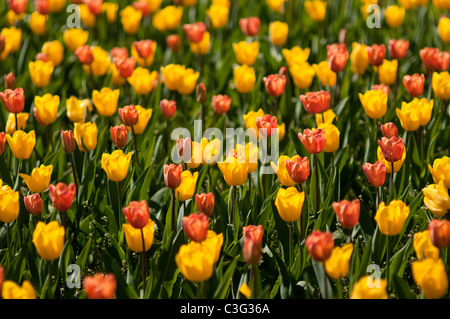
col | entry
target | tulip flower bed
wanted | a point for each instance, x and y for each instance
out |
(112, 185)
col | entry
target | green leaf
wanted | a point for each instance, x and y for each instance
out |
(224, 285)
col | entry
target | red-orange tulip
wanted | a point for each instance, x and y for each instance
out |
(250, 26)
(434, 60)
(313, 142)
(376, 54)
(100, 286)
(137, 214)
(252, 245)
(337, 56)
(375, 173)
(275, 84)
(10, 81)
(119, 53)
(398, 48)
(119, 135)
(194, 31)
(125, 67)
(389, 130)
(33, 204)
(221, 103)
(173, 42)
(414, 84)
(205, 203)
(320, 245)
(2, 142)
(316, 102)
(84, 54)
(129, 115)
(18, 6)
(144, 47)
(68, 141)
(440, 233)
(196, 227)
(168, 108)
(41, 6)
(94, 6)
(392, 148)
(298, 169)
(142, 6)
(347, 212)
(62, 196)
(172, 175)
(266, 125)
(14, 100)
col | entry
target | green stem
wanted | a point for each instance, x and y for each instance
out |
(291, 248)
(233, 200)
(144, 275)
(387, 264)
(173, 209)
(135, 145)
(72, 163)
(317, 182)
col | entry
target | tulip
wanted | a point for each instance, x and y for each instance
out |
(106, 101)
(376, 54)
(248, 154)
(430, 275)
(250, 26)
(441, 85)
(398, 48)
(278, 33)
(187, 186)
(275, 84)
(414, 84)
(40, 178)
(441, 171)
(289, 203)
(86, 136)
(391, 218)
(130, 19)
(320, 245)
(87, 17)
(49, 240)
(10, 81)
(13, 100)
(100, 286)
(374, 103)
(387, 72)
(75, 38)
(46, 108)
(119, 135)
(18, 6)
(168, 108)
(11, 290)
(54, 51)
(246, 53)
(84, 54)
(205, 203)
(214, 243)
(275, 5)
(234, 171)
(38, 23)
(116, 165)
(392, 148)
(252, 244)
(9, 204)
(218, 15)
(394, 16)
(40, 72)
(424, 247)
(441, 4)
(137, 213)
(440, 233)
(13, 38)
(298, 169)
(389, 129)
(244, 78)
(337, 56)
(133, 236)
(111, 11)
(414, 114)
(2, 142)
(436, 198)
(313, 141)
(397, 165)
(194, 31)
(33, 204)
(375, 173)
(22, 119)
(316, 9)
(337, 265)
(282, 171)
(363, 290)
(302, 75)
(245, 290)
(173, 42)
(296, 55)
(221, 103)
(201, 94)
(332, 137)
(168, 18)
(125, 66)
(172, 175)
(144, 52)
(184, 148)
(443, 29)
(76, 109)
(119, 53)
(196, 227)
(266, 125)
(142, 80)
(325, 75)
(101, 63)
(178, 78)
(129, 115)
(347, 212)
(21, 143)
(434, 60)
(195, 261)
(62, 196)
(359, 58)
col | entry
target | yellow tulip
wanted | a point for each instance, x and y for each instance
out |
(441, 170)
(56, 5)
(359, 58)
(39, 179)
(168, 18)
(423, 246)
(106, 100)
(316, 9)
(444, 29)
(278, 33)
(131, 19)
(365, 288)
(188, 82)
(142, 80)
(214, 243)
(46, 108)
(441, 4)
(218, 14)
(101, 62)
(87, 17)
(76, 108)
(54, 51)
(374, 103)
(49, 240)
(328, 116)
(430, 275)
(245, 290)
(408, 4)
(21, 143)
(144, 116)
(13, 36)
(178, 78)
(296, 55)
(391, 218)
(86, 136)
(225, 3)
(186, 190)
(394, 16)
(38, 23)
(201, 48)
(387, 72)
(116, 165)
(397, 165)
(22, 119)
(337, 265)
(276, 5)
(133, 236)
(153, 5)
(11, 290)
(248, 154)
(441, 85)
(210, 151)
(117, 80)
(332, 137)
(40, 72)
(437, 199)
(9, 204)
(415, 113)
(281, 170)
(234, 173)
(302, 74)
(246, 53)
(325, 75)
(144, 62)
(111, 11)
(250, 122)
(289, 203)
(195, 261)
(244, 78)
(75, 38)
(12, 17)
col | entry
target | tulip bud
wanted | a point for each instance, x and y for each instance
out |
(62, 196)
(119, 135)
(252, 245)
(205, 203)
(337, 56)
(266, 125)
(392, 148)
(440, 233)
(398, 48)
(33, 204)
(84, 54)
(376, 54)
(144, 48)
(201, 94)
(100, 286)
(137, 214)
(168, 108)
(68, 141)
(10, 81)
(184, 148)
(194, 31)
(196, 227)
(125, 67)
(275, 84)
(347, 212)
(221, 103)
(414, 84)
(172, 175)
(250, 26)
(298, 169)
(313, 141)
(320, 245)
(389, 130)
(129, 115)
(375, 173)
(2, 142)
(316, 102)
(173, 42)
(14, 100)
